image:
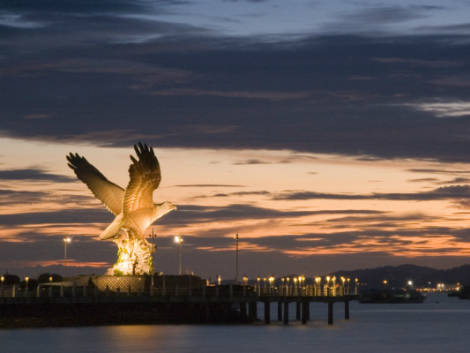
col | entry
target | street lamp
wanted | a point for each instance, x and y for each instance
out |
(179, 242)
(67, 240)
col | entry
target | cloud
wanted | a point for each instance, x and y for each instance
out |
(60, 216)
(459, 180)
(33, 174)
(445, 109)
(421, 180)
(252, 161)
(418, 62)
(443, 193)
(188, 214)
(13, 197)
(274, 96)
(437, 171)
(377, 20)
(17, 21)
(202, 88)
(208, 186)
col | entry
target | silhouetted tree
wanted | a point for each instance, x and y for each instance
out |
(46, 277)
(10, 279)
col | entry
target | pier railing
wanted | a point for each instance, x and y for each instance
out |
(227, 291)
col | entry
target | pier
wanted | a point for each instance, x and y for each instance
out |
(64, 303)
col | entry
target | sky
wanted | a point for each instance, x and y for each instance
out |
(331, 135)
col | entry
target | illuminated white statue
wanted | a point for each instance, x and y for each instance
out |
(134, 208)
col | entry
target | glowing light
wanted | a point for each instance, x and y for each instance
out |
(317, 280)
(271, 279)
(67, 240)
(410, 283)
(50, 278)
(178, 239)
(26, 279)
(384, 282)
(2, 279)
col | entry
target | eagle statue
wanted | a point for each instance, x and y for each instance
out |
(133, 208)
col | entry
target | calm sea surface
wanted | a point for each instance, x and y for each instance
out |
(441, 324)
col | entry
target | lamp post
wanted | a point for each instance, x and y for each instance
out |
(236, 258)
(2, 280)
(327, 286)
(179, 243)
(318, 286)
(271, 282)
(26, 281)
(67, 240)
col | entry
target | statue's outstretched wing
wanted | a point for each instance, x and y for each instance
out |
(107, 192)
(145, 177)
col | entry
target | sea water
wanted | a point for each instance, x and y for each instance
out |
(440, 324)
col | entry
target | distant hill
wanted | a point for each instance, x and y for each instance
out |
(398, 276)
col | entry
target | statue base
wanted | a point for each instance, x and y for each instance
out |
(134, 256)
(121, 284)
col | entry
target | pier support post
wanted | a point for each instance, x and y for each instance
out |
(267, 312)
(279, 310)
(207, 312)
(297, 310)
(330, 313)
(243, 311)
(286, 313)
(253, 308)
(346, 309)
(305, 311)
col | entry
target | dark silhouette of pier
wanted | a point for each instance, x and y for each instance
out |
(186, 299)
